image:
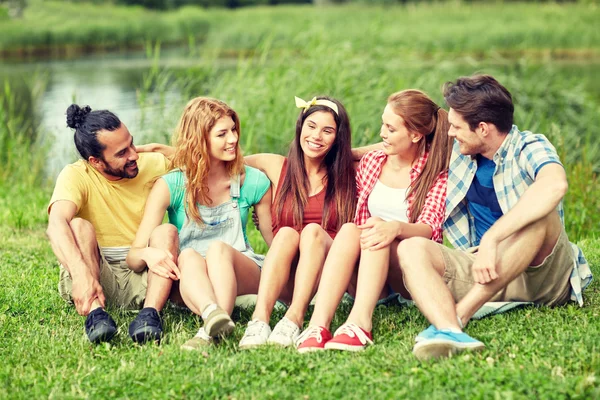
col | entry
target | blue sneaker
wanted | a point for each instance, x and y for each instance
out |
(428, 333)
(445, 343)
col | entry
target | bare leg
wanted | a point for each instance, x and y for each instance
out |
(395, 278)
(85, 239)
(336, 274)
(163, 237)
(423, 266)
(314, 246)
(231, 274)
(422, 263)
(275, 272)
(530, 246)
(372, 274)
(195, 286)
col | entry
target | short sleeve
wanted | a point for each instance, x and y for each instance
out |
(69, 186)
(538, 152)
(176, 210)
(256, 184)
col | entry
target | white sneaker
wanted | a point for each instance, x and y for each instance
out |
(199, 341)
(256, 335)
(285, 333)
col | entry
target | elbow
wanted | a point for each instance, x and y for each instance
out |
(50, 231)
(560, 188)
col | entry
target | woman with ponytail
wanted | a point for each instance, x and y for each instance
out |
(401, 194)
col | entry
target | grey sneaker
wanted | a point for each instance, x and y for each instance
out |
(284, 334)
(198, 342)
(218, 323)
(256, 335)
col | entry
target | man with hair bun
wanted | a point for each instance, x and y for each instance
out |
(504, 217)
(94, 214)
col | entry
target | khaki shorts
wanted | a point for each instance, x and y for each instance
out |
(122, 286)
(547, 283)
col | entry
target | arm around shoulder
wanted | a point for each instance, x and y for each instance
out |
(268, 163)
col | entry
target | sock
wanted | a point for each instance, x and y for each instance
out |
(202, 334)
(208, 309)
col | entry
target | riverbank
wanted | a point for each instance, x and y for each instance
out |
(66, 29)
(539, 30)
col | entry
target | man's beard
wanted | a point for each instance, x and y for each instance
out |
(120, 173)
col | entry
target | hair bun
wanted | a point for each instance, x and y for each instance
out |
(76, 115)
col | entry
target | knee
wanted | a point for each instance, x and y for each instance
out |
(165, 233)
(286, 235)
(411, 246)
(82, 228)
(349, 229)
(217, 248)
(313, 233)
(189, 258)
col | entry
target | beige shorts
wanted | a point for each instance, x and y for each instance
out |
(547, 283)
(122, 287)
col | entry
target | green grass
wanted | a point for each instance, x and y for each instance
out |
(256, 60)
(531, 353)
(59, 28)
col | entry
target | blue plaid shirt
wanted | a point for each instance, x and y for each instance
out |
(518, 160)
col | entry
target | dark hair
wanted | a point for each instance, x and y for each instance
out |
(340, 192)
(423, 115)
(87, 123)
(480, 98)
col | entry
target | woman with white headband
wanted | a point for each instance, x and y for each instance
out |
(315, 194)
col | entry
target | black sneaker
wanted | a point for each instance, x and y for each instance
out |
(146, 326)
(99, 326)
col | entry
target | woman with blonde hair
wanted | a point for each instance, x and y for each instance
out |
(207, 197)
(401, 194)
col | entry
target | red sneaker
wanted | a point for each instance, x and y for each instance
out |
(350, 337)
(313, 339)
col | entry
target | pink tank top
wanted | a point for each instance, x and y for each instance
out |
(313, 211)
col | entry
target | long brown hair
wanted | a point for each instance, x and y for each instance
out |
(191, 140)
(340, 192)
(423, 115)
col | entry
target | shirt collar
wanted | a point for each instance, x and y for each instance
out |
(502, 151)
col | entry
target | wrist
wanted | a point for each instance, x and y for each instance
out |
(399, 228)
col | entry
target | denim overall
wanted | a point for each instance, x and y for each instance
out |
(223, 222)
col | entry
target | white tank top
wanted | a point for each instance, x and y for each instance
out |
(388, 203)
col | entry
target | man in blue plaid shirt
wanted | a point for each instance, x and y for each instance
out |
(504, 218)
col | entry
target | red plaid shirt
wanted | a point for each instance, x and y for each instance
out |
(433, 210)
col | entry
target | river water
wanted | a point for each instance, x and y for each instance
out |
(108, 81)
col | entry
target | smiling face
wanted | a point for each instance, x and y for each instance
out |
(397, 139)
(223, 140)
(318, 135)
(119, 158)
(470, 142)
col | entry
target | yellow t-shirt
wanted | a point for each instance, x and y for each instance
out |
(114, 208)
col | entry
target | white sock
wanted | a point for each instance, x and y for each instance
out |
(209, 308)
(202, 334)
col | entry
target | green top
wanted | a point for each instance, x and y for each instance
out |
(253, 189)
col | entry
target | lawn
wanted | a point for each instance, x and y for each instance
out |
(531, 353)
(547, 56)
